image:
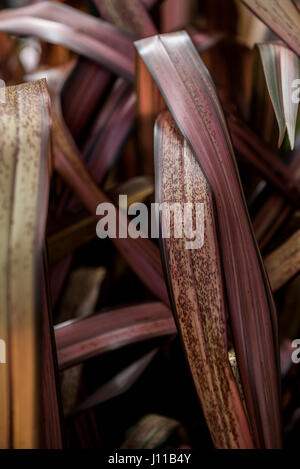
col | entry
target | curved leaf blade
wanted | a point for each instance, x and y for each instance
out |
(281, 67)
(129, 15)
(80, 340)
(141, 253)
(81, 33)
(24, 183)
(282, 16)
(191, 98)
(196, 286)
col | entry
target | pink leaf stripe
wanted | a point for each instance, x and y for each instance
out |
(264, 159)
(282, 16)
(24, 322)
(119, 384)
(281, 68)
(83, 34)
(192, 100)
(196, 286)
(128, 15)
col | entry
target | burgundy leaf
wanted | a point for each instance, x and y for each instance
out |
(77, 341)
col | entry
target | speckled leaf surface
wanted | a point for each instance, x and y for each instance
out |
(128, 15)
(197, 290)
(281, 67)
(24, 150)
(192, 100)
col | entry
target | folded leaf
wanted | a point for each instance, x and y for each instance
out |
(175, 14)
(196, 288)
(281, 68)
(77, 341)
(24, 322)
(190, 95)
(270, 56)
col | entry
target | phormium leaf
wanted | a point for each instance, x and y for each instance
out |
(190, 95)
(81, 33)
(141, 254)
(283, 263)
(119, 384)
(196, 286)
(129, 15)
(282, 16)
(24, 321)
(79, 340)
(281, 68)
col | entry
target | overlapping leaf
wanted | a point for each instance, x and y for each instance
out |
(284, 263)
(192, 100)
(274, 211)
(282, 16)
(79, 340)
(281, 68)
(119, 384)
(255, 152)
(196, 286)
(81, 33)
(141, 254)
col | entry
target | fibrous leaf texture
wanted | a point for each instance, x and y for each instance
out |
(281, 67)
(24, 150)
(192, 100)
(282, 16)
(195, 281)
